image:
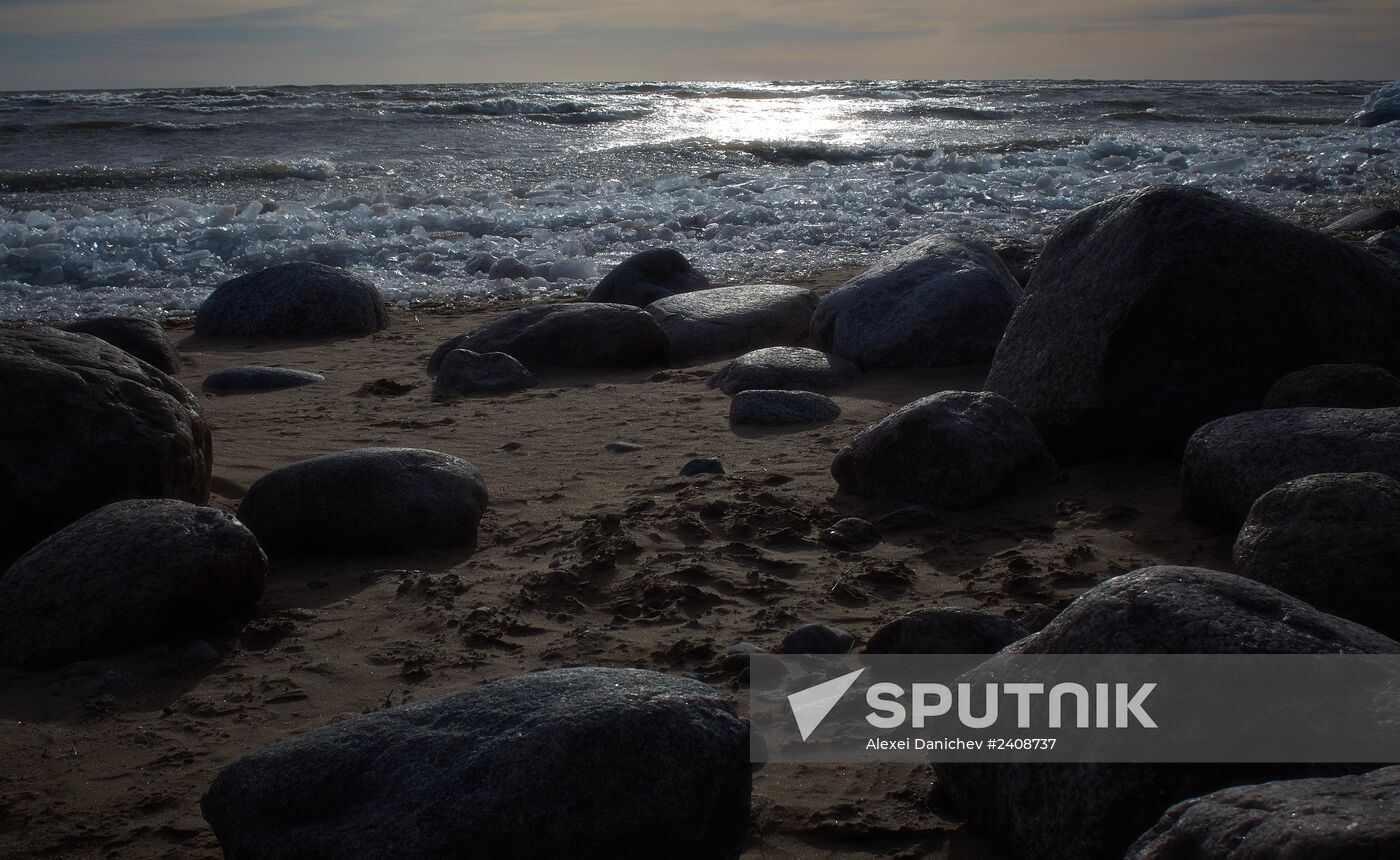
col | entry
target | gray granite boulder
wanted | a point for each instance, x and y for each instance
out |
(1366, 221)
(124, 575)
(367, 500)
(1343, 818)
(945, 630)
(1332, 540)
(1232, 461)
(293, 300)
(774, 408)
(144, 339)
(467, 372)
(579, 334)
(1160, 310)
(1380, 107)
(731, 320)
(1350, 386)
(943, 300)
(248, 378)
(954, 450)
(84, 425)
(1048, 811)
(587, 763)
(643, 278)
(790, 368)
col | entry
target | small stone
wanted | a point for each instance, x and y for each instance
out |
(467, 372)
(817, 639)
(773, 407)
(702, 466)
(850, 534)
(252, 378)
(621, 447)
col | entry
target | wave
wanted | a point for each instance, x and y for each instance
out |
(96, 176)
(158, 126)
(559, 112)
(804, 151)
(950, 112)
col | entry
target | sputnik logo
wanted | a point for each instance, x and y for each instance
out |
(810, 706)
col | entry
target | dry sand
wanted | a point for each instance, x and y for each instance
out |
(586, 557)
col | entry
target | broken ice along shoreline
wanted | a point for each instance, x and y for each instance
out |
(136, 202)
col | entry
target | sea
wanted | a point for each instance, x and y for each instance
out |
(139, 202)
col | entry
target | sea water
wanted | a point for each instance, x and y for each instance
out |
(141, 201)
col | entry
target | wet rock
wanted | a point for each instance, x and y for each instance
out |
(1160, 310)
(467, 372)
(943, 300)
(232, 380)
(546, 764)
(786, 368)
(293, 300)
(510, 267)
(124, 575)
(945, 630)
(730, 320)
(953, 450)
(775, 408)
(1233, 461)
(643, 278)
(1349, 386)
(368, 500)
(97, 426)
(580, 334)
(144, 339)
(1332, 540)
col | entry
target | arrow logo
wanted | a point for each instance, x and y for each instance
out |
(810, 706)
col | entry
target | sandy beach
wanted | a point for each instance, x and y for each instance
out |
(587, 556)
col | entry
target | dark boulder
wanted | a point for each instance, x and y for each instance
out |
(850, 534)
(85, 424)
(467, 372)
(817, 639)
(368, 500)
(702, 466)
(1332, 540)
(1157, 311)
(945, 630)
(144, 339)
(1343, 818)
(293, 300)
(954, 450)
(943, 300)
(1047, 811)
(233, 380)
(581, 334)
(643, 278)
(1349, 386)
(788, 368)
(757, 406)
(126, 574)
(1233, 461)
(587, 763)
(731, 320)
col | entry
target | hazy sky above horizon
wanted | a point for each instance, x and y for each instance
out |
(64, 44)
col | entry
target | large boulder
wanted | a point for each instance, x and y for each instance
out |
(124, 575)
(467, 372)
(945, 630)
(730, 320)
(1380, 107)
(1350, 386)
(368, 500)
(758, 406)
(953, 449)
(1233, 461)
(1332, 540)
(643, 278)
(293, 300)
(144, 339)
(785, 368)
(587, 763)
(941, 301)
(1090, 811)
(580, 334)
(84, 424)
(1157, 311)
(1343, 818)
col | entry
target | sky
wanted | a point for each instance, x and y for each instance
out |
(70, 44)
